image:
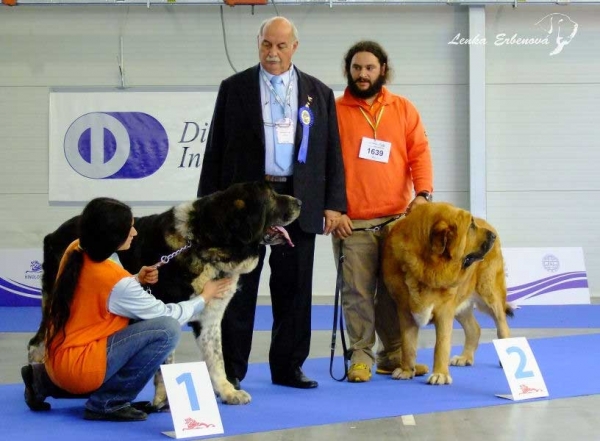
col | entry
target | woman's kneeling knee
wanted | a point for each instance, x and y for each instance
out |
(170, 327)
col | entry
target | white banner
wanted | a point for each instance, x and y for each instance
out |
(136, 146)
(546, 276)
(20, 277)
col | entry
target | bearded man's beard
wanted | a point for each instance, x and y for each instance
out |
(373, 90)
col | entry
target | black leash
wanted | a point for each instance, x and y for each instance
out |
(380, 226)
(337, 310)
(337, 305)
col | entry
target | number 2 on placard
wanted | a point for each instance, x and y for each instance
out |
(521, 372)
(191, 390)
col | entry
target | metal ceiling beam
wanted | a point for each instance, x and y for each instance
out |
(300, 2)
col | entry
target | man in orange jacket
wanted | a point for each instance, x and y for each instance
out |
(388, 169)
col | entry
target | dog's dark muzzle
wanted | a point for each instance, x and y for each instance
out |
(486, 246)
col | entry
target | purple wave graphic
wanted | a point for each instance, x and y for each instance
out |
(572, 280)
(19, 288)
(560, 276)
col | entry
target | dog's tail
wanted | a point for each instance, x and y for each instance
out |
(510, 310)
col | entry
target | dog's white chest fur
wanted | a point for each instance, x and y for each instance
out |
(423, 317)
(467, 304)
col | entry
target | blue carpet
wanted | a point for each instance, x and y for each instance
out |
(27, 318)
(276, 407)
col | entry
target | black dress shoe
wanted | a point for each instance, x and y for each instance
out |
(124, 414)
(33, 400)
(295, 379)
(235, 382)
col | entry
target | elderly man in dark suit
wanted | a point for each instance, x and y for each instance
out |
(276, 123)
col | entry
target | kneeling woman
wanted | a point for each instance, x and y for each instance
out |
(92, 349)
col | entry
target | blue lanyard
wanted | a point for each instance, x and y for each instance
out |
(272, 89)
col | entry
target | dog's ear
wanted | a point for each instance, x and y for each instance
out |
(440, 236)
(248, 222)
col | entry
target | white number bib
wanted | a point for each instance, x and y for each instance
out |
(285, 131)
(375, 150)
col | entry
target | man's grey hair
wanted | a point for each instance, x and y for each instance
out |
(268, 21)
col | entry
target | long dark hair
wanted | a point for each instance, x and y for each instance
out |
(104, 226)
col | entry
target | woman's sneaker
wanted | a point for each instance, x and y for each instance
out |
(359, 373)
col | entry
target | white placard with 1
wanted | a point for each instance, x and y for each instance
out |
(192, 400)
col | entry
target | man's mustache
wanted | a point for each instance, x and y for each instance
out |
(276, 59)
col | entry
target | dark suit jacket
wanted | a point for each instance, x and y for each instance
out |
(235, 148)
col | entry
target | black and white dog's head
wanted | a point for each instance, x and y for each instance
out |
(238, 215)
(227, 224)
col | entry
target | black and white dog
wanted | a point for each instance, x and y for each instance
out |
(223, 232)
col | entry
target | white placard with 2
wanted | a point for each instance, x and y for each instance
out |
(521, 369)
(192, 400)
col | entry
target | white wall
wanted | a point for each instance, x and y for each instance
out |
(543, 135)
(542, 126)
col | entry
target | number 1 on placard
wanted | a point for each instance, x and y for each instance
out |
(191, 390)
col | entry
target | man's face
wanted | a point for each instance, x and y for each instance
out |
(366, 76)
(276, 46)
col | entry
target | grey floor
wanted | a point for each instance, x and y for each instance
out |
(574, 419)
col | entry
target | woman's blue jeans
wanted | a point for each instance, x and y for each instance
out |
(134, 354)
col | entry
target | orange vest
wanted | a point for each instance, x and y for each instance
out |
(78, 363)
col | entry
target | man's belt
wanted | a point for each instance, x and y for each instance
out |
(271, 178)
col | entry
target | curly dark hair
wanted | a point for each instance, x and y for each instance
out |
(104, 226)
(372, 47)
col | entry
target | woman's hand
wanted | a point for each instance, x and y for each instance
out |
(148, 275)
(216, 289)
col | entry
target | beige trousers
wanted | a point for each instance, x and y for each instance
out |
(369, 311)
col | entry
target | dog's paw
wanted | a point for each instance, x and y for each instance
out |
(437, 378)
(160, 405)
(236, 397)
(403, 374)
(421, 369)
(461, 360)
(36, 354)
(160, 400)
